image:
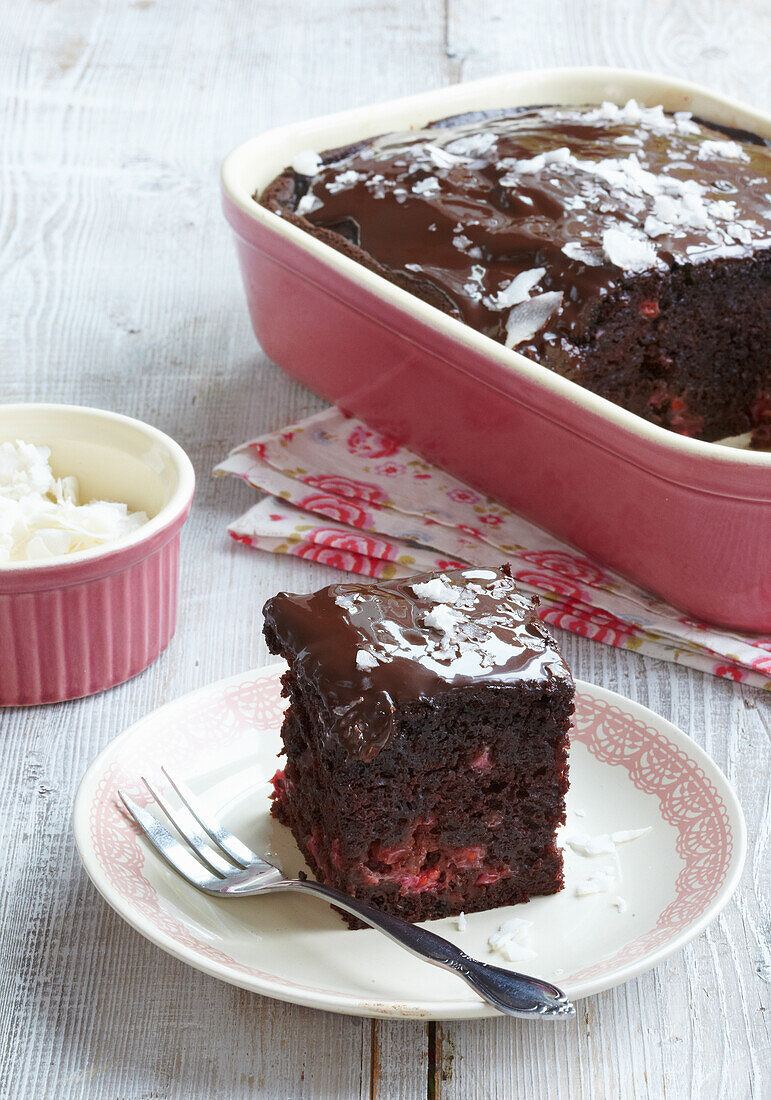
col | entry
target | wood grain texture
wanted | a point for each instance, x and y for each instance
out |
(119, 289)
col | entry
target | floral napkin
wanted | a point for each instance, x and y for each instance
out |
(339, 493)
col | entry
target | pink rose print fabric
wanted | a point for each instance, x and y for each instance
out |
(340, 494)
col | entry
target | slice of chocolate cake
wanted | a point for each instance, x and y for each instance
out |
(426, 740)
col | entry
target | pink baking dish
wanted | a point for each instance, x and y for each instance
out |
(689, 520)
(78, 624)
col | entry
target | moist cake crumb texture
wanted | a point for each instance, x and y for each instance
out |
(426, 741)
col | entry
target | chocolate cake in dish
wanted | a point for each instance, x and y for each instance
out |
(426, 741)
(625, 248)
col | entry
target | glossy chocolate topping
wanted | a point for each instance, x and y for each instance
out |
(521, 223)
(369, 649)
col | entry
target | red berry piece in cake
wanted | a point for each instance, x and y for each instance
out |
(426, 740)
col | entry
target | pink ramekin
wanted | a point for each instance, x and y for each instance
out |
(77, 624)
(689, 520)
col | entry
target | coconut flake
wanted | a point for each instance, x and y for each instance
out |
(348, 600)
(474, 145)
(41, 516)
(426, 187)
(528, 166)
(437, 590)
(518, 290)
(604, 843)
(528, 317)
(366, 660)
(574, 250)
(508, 940)
(587, 845)
(440, 157)
(516, 952)
(725, 150)
(306, 163)
(344, 181)
(628, 252)
(623, 836)
(651, 118)
(442, 618)
(601, 882)
(307, 204)
(462, 922)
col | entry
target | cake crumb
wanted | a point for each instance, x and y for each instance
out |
(462, 922)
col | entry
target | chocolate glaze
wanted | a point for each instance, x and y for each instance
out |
(478, 220)
(494, 639)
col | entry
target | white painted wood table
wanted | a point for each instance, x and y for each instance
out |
(119, 288)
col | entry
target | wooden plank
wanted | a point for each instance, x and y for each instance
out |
(119, 288)
(720, 43)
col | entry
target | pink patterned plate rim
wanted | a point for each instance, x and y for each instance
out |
(630, 769)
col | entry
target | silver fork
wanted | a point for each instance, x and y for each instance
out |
(217, 862)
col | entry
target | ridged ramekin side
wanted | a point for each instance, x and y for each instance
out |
(76, 639)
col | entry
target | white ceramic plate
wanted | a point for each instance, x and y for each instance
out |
(629, 769)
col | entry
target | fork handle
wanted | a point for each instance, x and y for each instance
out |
(511, 993)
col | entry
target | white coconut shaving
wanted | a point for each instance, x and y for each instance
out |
(474, 145)
(518, 290)
(438, 590)
(428, 186)
(574, 250)
(534, 164)
(344, 181)
(442, 618)
(725, 150)
(510, 939)
(41, 515)
(527, 318)
(627, 251)
(366, 660)
(650, 118)
(308, 203)
(601, 882)
(604, 843)
(306, 163)
(440, 157)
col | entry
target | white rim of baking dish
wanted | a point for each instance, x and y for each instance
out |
(255, 162)
(166, 516)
